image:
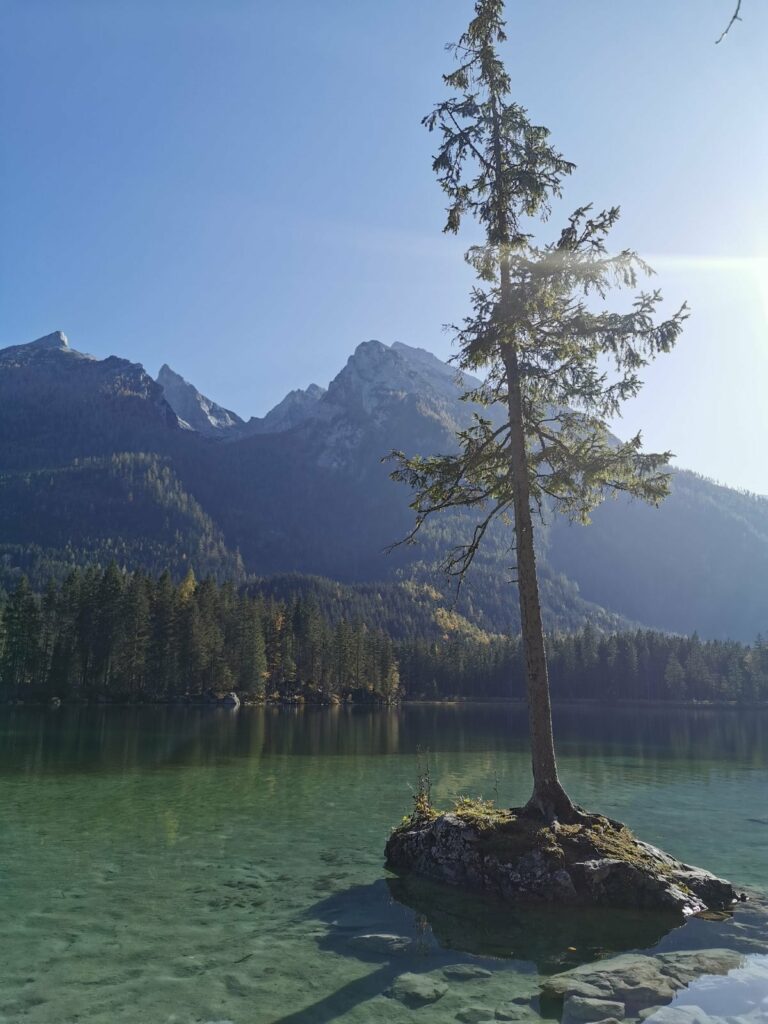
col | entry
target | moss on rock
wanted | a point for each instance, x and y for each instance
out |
(595, 861)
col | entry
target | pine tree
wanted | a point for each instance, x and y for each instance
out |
(536, 335)
(163, 640)
(674, 678)
(21, 651)
(252, 658)
(188, 587)
(48, 630)
(109, 622)
(132, 648)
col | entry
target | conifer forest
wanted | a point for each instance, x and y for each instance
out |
(130, 637)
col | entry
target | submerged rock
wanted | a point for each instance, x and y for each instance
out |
(683, 1015)
(587, 1010)
(636, 981)
(416, 990)
(476, 1014)
(598, 862)
(465, 972)
(516, 1012)
(380, 944)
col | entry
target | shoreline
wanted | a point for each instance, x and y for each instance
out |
(216, 704)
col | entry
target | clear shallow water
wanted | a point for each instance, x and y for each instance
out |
(176, 866)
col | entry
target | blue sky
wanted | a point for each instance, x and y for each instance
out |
(243, 189)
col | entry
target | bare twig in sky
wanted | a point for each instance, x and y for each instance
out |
(735, 17)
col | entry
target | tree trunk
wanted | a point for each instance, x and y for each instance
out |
(549, 799)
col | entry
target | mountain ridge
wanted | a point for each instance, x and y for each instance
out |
(303, 490)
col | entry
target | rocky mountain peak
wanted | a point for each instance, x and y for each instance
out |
(378, 373)
(56, 340)
(193, 409)
(42, 351)
(169, 376)
(297, 407)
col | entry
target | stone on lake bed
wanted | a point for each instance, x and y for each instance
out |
(476, 1014)
(514, 1012)
(586, 1010)
(639, 981)
(682, 1015)
(465, 972)
(384, 945)
(414, 990)
(594, 862)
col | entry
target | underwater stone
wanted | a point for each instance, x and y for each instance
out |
(465, 972)
(585, 1009)
(416, 990)
(386, 945)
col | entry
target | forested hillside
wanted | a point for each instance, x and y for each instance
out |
(132, 637)
(130, 508)
(96, 465)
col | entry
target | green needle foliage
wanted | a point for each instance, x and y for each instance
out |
(557, 363)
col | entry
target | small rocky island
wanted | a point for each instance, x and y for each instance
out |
(593, 862)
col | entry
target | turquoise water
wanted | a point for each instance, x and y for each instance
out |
(176, 866)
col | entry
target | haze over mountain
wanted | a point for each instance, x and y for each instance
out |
(100, 461)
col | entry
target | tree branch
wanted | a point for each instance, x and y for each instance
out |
(734, 18)
(463, 134)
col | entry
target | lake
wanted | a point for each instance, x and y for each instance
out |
(183, 866)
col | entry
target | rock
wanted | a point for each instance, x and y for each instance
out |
(637, 980)
(193, 409)
(385, 945)
(606, 978)
(414, 990)
(585, 1008)
(682, 1015)
(465, 972)
(711, 890)
(513, 1012)
(740, 996)
(597, 862)
(476, 1014)
(686, 966)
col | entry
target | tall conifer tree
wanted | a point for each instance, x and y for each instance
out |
(558, 366)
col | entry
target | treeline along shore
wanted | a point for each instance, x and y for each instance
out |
(130, 637)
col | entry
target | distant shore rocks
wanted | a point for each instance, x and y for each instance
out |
(599, 863)
(210, 698)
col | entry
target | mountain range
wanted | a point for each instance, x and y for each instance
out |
(99, 461)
